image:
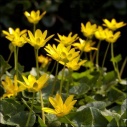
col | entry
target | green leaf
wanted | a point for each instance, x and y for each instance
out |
(117, 58)
(7, 108)
(21, 118)
(4, 66)
(123, 119)
(96, 104)
(10, 107)
(3, 120)
(113, 123)
(115, 95)
(41, 123)
(124, 106)
(91, 117)
(79, 88)
(109, 77)
(89, 64)
(87, 74)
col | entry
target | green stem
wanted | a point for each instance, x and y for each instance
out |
(105, 55)
(42, 106)
(114, 65)
(97, 55)
(37, 66)
(69, 79)
(70, 121)
(40, 92)
(34, 28)
(16, 60)
(53, 67)
(26, 104)
(9, 56)
(30, 113)
(123, 66)
(62, 79)
(54, 83)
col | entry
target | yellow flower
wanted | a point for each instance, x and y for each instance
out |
(110, 37)
(85, 46)
(11, 87)
(34, 17)
(60, 108)
(17, 37)
(34, 85)
(67, 40)
(43, 60)
(88, 30)
(61, 53)
(113, 25)
(39, 39)
(75, 64)
(100, 33)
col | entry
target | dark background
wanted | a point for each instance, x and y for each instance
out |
(62, 17)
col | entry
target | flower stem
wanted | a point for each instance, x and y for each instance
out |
(40, 92)
(62, 79)
(114, 65)
(97, 55)
(9, 56)
(70, 121)
(30, 113)
(123, 66)
(36, 57)
(69, 79)
(54, 83)
(34, 28)
(105, 55)
(16, 60)
(42, 106)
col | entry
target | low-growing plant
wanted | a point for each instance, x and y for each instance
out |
(91, 97)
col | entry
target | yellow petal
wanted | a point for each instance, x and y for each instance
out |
(69, 99)
(53, 102)
(49, 110)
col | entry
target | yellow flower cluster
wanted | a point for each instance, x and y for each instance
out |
(65, 53)
(108, 34)
(11, 87)
(16, 36)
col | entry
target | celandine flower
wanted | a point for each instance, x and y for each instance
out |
(113, 25)
(67, 40)
(39, 39)
(85, 46)
(61, 53)
(43, 60)
(34, 85)
(60, 108)
(75, 63)
(111, 37)
(34, 17)
(11, 87)
(100, 33)
(88, 30)
(17, 37)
